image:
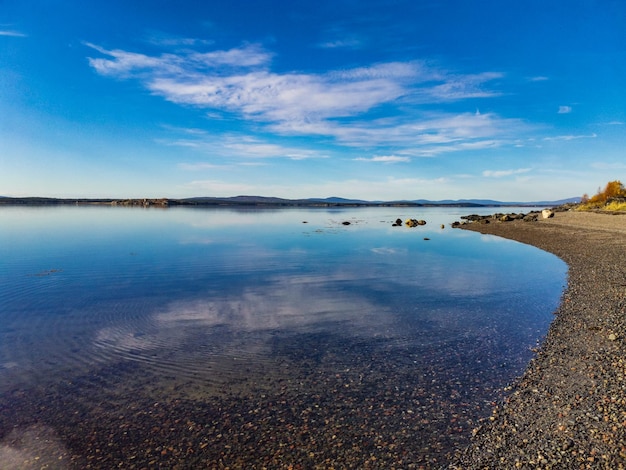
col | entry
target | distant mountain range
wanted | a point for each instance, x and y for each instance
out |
(279, 202)
(491, 202)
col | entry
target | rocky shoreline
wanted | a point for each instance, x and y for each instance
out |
(568, 410)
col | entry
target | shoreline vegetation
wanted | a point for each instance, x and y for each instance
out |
(568, 410)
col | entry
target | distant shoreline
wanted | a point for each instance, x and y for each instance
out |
(568, 410)
(254, 201)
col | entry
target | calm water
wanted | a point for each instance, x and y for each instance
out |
(218, 338)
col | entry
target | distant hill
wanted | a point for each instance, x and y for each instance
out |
(236, 200)
(341, 200)
(261, 201)
(491, 202)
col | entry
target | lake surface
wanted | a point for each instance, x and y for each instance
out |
(215, 338)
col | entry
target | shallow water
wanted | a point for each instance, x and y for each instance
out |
(251, 338)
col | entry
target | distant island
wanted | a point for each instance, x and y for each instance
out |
(260, 201)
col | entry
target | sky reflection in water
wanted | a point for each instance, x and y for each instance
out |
(93, 285)
(282, 340)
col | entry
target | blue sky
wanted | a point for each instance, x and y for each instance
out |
(377, 100)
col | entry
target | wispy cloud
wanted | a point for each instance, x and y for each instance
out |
(12, 33)
(124, 64)
(256, 148)
(268, 97)
(240, 81)
(465, 86)
(340, 37)
(343, 43)
(609, 165)
(431, 135)
(565, 109)
(239, 148)
(201, 166)
(385, 159)
(504, 173)
(570, 137)
(167, 40)
(434, 150)
(186, 68)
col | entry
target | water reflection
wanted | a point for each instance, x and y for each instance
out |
(244, 310)
(299, 307)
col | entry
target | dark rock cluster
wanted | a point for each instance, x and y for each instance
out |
(409, 223)
(141, 202)
(498, 217)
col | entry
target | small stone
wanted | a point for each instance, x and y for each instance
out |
(612, 337)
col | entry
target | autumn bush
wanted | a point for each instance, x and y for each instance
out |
(611, 198)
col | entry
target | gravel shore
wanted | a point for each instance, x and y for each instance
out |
(568, 410)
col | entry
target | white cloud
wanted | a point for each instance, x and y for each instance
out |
(344, 43)
(255, 148)
(186, 67)
(250, 55)
(390, 70)
(11, 33)
(431, 151)
(433, 134)
(238, 147)
(565, 109)
(180, 143)
(123, 62)
(341, 38)
(162, 39)
(269, 97)
(570, 137)
(239, 81)
(198, 166)
(465, 86)
(385, 159)
(503, 173)
(253, 164)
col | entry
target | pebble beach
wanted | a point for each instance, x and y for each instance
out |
(568, 410)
